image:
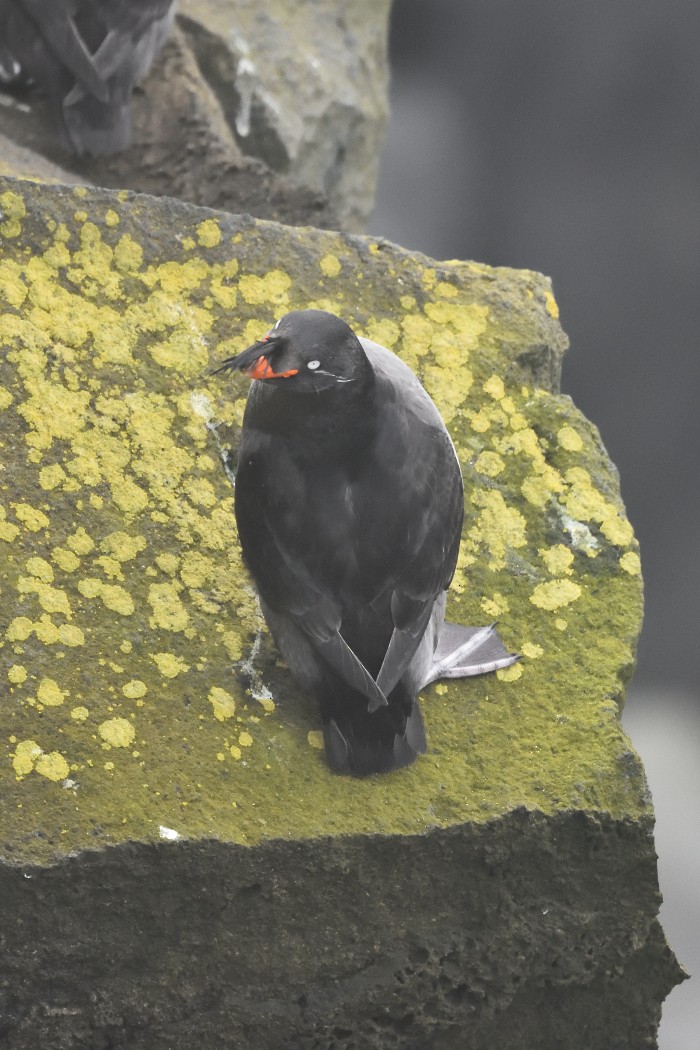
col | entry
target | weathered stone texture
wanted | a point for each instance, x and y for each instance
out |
(274, 109)
(177, 865)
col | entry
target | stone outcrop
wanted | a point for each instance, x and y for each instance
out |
(20, 162)
(277, 110)
(177, 865)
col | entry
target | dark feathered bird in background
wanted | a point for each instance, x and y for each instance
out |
(349, 505)
(86, 56)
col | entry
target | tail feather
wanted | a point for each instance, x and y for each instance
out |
(370, 746)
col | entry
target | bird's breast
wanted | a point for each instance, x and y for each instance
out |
(335, 520)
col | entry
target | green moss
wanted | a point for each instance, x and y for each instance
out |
(174, 707)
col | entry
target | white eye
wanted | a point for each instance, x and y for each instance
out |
(313, 364)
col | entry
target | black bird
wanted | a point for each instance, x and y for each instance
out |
(86, 56)
(349, 505)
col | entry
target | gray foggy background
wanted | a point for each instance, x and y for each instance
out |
(565, 138)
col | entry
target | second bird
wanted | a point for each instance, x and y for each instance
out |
(349, 505)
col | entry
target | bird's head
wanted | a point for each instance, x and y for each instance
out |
(307, 351)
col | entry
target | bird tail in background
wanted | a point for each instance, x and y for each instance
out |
(86, 56)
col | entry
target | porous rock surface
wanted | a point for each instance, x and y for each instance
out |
(275, 109)
(177, 865)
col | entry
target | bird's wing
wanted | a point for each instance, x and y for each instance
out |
(94, 39)
(58, 29)
(426, 575)
(289, 588)
(336, 652)
(431, 482)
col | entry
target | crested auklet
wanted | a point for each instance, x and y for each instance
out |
(349, 506)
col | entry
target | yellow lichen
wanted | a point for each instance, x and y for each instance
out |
(315, 739)
(490, 463)
(52, 476)
(631, 563)
(617, 529)
(89, 587)
(196, 569)
(51, 599)
(53, 766)
(584, 503)
(480, 422)
(70, 635)
(510, 674)
(330, 266)
(209, 233)
(33, 519)
(25, 755)
(79, 713)
(498, 527)
(79, 541)
(168, 562)
(46, 630)
(569, 439)
(117, 599)
(117, 732)
(40, 568)
(531, 650)
(269, 290)
(233, 645)
(494, 387)
(551, 306)
(134, 689)
(17, 674)
(169, 665)
(538, 489)
(110, 567)
(12, 210)
(168, 611)
(495, 606)
(50, 693)
(8, 531)
(222, 702)
(383, 331)
(555, 594)
(245, 739)
(558, 559)
(14, 291)
(19, 629)
(122, 546)
(128, 254)
(113, 595)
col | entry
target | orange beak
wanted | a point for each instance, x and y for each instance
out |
(261, 369)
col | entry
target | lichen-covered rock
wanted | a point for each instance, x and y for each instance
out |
(277, 110)
(177, 864)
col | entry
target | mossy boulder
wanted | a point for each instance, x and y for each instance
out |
(177, 864)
